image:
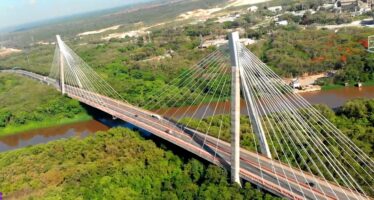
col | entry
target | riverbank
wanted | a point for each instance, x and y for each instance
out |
(339, 86)
(11, 130)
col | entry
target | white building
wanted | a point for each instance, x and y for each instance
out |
(295, 83)
(252, 9)
(275, 8)
(282, 23)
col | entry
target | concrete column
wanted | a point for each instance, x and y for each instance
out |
(235, 108)
(62, 74)
(256, 123)
(255, 118)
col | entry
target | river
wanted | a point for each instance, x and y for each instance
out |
(332, 98)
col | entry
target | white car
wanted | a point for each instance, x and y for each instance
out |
(156, 116)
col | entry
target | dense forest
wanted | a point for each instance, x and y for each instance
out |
(118, 164)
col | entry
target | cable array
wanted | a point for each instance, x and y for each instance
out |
(310, 156)
(316, 156)
(299, 135)
(79, 78)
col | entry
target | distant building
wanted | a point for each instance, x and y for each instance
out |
(295, 83)
(346, 4)
(252, 9)
(275, 8)
(353, 5)
(302, 12)
(282, 23)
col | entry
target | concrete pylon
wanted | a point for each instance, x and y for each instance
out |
(61, 62)
(235, 108)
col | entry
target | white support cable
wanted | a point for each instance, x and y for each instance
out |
(54, 69)
(273, 144)
(290, 129)
(216, 69)
(245, 79)
(216, 106)
(331, 164)
(341, 165)
(195, 69)
(87, 88)
(218, 139)
(107, 88)
(201, 102)
(251, 94)
(254, 138)
(71, 76)
(326, 122)
(282, 106)
(212, 62)
(306, 104)
(78, 74)
(212, 98)
(269, 102)
(342, 148)
(215, 72)
(68, 61)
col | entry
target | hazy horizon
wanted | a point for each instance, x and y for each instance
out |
(22, 12)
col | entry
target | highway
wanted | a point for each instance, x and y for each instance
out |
(271, 175)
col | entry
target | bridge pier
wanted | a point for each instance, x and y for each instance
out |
(235, 108)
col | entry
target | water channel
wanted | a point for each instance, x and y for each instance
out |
(332, 98)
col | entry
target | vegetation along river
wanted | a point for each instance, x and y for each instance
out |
(332, 98)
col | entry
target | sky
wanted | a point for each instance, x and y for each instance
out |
(17, 12)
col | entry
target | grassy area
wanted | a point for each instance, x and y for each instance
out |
(26, 104)
(332, 87)
(338, 86)
(14, 129)
(369, 83)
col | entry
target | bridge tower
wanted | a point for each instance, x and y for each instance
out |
(61, 64)
(235, 107)
(234, 47)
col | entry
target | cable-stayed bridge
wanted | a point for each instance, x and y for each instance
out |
(295, 152)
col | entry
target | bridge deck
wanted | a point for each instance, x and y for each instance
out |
(270, 174)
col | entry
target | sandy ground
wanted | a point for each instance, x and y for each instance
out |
(136, 33)
(8, 51)
(307, 80)
(204, 14)
(200, 13)
(352, 24)
(245, 2)
(99, 31)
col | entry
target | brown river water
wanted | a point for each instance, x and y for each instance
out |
(332, 98)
